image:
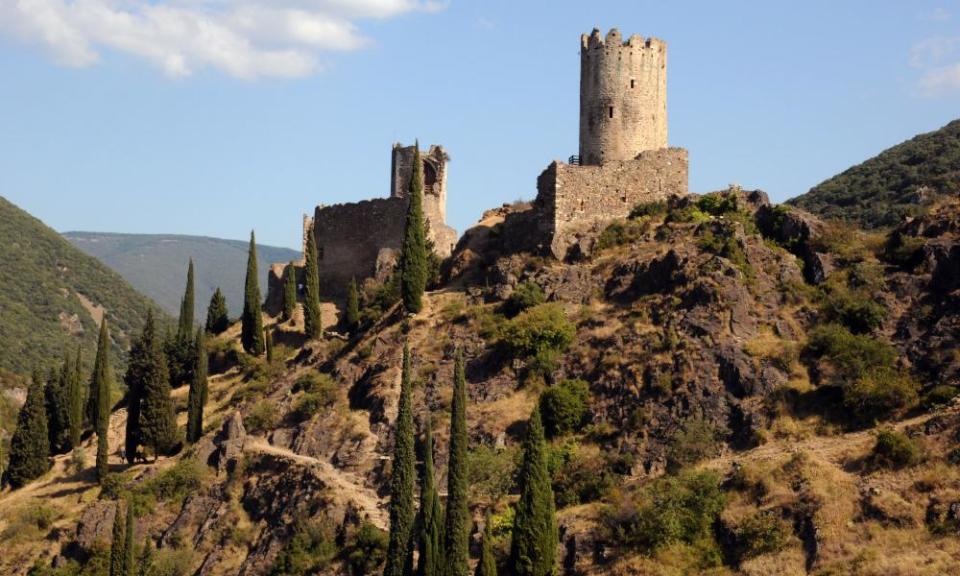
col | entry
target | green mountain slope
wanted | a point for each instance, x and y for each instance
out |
(156, 265)
(899, 181)
(53, 296)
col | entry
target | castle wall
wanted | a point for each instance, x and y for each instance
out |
(571, 198)
(623, 97)
(434, 190)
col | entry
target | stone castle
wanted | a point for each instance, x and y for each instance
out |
(624, 158)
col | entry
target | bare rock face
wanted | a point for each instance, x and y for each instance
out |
(230, 442)
(96, 525)
(798, 231)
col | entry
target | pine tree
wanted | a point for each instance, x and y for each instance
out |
(268, 340)
(430, 538)
(30, 445)
(75, 399)
(312, 321)
(413, 253)
(195, 400)
(185, 326)
(129, 546)
(158, 425)
(58, 408)
(353, 305)
(118, 545)
(289, 291)
(487, 566)
(139, 367)
(217, 318)
(534, 546)
(457, 522)
(101, 386)
(251, 334)
(402, 512)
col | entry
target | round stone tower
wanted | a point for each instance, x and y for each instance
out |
(623, 96)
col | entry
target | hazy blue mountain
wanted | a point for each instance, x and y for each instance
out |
(156, 265)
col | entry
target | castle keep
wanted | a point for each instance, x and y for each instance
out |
(624, 158)
(363, 239)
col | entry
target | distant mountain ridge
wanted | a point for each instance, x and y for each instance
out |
(53, 297)
(156, 265)
(900, 181)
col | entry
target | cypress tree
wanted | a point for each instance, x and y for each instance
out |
(251, 334)
(289, 291)
(185, 326)
(58, 408)
(457, 522)
(312, 322)
(268, 340)
(30, 445)
(413, 253)
(146, 559)
(101, 387)
(195, 400)
(139, 367)
(75, 400)
(534, 545)
(217, 317)
(118, 546)
(158, 425)
(430, 561)
(402, 512)
(487, 566)
(129, 557)
(353, 305)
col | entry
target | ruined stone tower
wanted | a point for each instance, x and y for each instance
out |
(623, 97)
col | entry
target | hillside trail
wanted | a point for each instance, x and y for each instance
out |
(832, 449)
(342, 483)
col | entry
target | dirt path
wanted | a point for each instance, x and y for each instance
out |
(345, 484)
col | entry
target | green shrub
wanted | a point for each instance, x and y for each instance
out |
(262, 417)
(673, 509)
(719, 238)
(894, 450)
(490, 471)
(366, 549)
(319, 391)
(855, 309)
(526, 295)
(564, 407)
(621, 232)
(311, 550)
(643, 209)
(177, 482)
(717, 203)
(541, 329)
(879, 394)
(940, 395)
(760, 533)
(688, 215)
(904, 251)
(580, 478)
(173, 562)
(850, 355)
(693, 442)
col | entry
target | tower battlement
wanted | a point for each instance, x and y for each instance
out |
(623, 96)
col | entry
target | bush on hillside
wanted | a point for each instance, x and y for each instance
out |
(851, 356)
(695, 441)
(880, 394)
(538, 332)
(758, 534)
(564, 407)
(526, 295)
(894, 450)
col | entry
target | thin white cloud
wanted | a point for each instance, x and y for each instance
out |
(246, 39)
(938, 59)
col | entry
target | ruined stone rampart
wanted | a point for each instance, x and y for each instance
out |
(571, 198)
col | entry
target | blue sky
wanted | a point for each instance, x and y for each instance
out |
(216, 116)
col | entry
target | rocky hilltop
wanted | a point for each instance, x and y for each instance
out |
(729, 387)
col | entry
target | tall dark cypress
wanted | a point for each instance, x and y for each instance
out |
(430, 536)
(158, 424)
(145, 567)
(58, 408)
(289, 291)
(268, 341)
(413, 253)
(139, 367)
(118, 543)
(195, 399)
(129, 546)
(251, 334)
(534, 545)
(102, 378)
(218, 319)
(185, 326)
(487, 565)
(30, 445)
(75, 399)
(403, 478)
(312, 321)
(457, 522)
(353, 305)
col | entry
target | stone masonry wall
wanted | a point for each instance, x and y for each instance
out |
(434, 190)
(623, 97)
(573, 198)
